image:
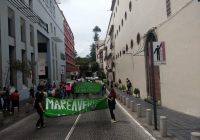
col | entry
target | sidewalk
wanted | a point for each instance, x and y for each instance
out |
(179, 125)
(9, 119)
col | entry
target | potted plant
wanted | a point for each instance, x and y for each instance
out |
(123, 88)
(137, 92)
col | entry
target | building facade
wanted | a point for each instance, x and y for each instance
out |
(31, 32)
(135, 26)
(71, 69)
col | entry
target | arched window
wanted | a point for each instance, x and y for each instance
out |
(138, 38)
(130, 6)
(125, 15)
(122, 22)
(126, 47)
(132, 44)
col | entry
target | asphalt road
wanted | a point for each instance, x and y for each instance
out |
(94, 125)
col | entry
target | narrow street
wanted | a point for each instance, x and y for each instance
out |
(94, 125)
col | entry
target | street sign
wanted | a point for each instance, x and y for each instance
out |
(159, 55)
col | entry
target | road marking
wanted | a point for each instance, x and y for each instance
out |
(137, 123)
(72, 129)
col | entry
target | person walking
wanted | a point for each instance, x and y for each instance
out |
(68, 89)
(14, 97)
(39, 108)
(6, 99)
(111, 103)
(103, 90)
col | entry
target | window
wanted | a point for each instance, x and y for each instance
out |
(122, 22)
(117, 32)
(11, 23)
(130, 6)
(138, 38)
(118, 2)
(123, 50)
(31, 35)
(55, 31)
(31, 4)
(168, 7)
(131, 44)
(116, 9)
(126, 47)
(120, 53)
(119, 28)
(125, 15)
(23, 30)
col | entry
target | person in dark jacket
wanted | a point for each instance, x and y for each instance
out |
(39, 108)
(111, 103)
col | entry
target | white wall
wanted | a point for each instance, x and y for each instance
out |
(179, 77)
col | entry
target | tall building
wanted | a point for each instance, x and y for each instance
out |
(135, 30)
(32, 35)
(71, 69)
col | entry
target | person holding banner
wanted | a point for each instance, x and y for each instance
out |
(38, 106)
(111, 103)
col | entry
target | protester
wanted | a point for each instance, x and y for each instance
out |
(38, 106)
(14, 97)
(103, 90)
(68, 89)
(2, 92)
(6, 99)
(73, 90)
(129, 86)
(111, 103)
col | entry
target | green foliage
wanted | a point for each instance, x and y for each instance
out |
(83, 64)
(93, 52)
(94, 66)
(22, 66)
(123, 88)
(96, 29)
(136, 91)
(101, 74)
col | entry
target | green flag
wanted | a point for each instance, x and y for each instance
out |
(62, 107)
(88, 87)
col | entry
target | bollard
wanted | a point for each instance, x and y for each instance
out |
(127, 102)
(16, 111)
(27, 108)
(124, 100)
(163, 126)
(195, 135)
(132, 106)
(139, 110)
(149, 116)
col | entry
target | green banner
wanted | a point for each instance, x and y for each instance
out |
(62, 107)
(88, 87)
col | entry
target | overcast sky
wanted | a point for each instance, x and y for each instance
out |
(83, 16)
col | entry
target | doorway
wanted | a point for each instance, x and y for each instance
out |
(151, 37)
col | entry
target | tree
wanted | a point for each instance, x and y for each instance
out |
(94, 66)
(93, 52)
(96, 31)
(83, 64)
